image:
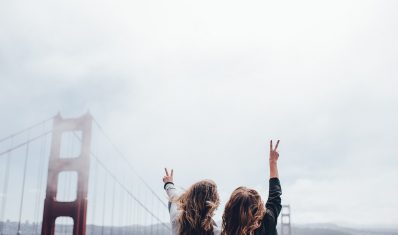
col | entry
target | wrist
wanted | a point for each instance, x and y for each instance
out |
(166, 183)
(273, 162)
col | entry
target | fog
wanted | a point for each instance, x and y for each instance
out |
(201, 87)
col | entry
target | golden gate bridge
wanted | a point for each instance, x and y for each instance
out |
(66, 176)
(63, 173)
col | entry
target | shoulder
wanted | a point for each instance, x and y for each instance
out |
(268, 224)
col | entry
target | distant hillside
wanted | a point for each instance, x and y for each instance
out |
(160, 229)
(331, 229)
(317, 231)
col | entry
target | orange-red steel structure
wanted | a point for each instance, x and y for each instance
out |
(77, 209)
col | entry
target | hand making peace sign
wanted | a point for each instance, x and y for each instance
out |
(273, 153)
(168, 178)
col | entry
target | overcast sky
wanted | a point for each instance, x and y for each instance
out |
(202, 86)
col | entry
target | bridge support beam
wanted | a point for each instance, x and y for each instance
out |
(77, 209)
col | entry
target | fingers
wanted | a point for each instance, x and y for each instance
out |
(169, 176)
(271, 146)
(277, 143)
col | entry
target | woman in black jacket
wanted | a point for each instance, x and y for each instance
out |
(245, 212)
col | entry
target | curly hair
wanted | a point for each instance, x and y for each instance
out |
(243, 212)
(197, 206)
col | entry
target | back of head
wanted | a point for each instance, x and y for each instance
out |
(243, 212)
(197, 206)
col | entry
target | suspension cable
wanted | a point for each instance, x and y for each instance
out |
(103, 205)
(5, 190)
(39, 184)
(25, 143)
(126, 189)
(129, 164)
(94, 202)
(23, 188)
(26, 129)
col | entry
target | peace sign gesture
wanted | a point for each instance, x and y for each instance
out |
(273, 153)
(168, 178)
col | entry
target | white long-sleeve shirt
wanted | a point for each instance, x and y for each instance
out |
(175, 212)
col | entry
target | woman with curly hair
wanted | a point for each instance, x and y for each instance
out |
(191, 213)
(245, 213)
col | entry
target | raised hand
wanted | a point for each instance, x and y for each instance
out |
(168, 178)
(273, 160)
(273, 152)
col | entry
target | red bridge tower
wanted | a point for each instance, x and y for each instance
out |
(76, 209)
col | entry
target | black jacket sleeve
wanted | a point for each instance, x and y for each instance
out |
(273, 204)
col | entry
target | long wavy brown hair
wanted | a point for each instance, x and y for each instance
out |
(197, 206)
(243, 212)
